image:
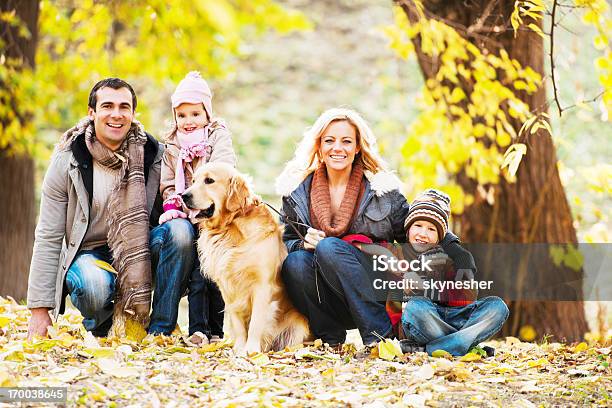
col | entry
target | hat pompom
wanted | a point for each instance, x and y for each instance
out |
(194, 75)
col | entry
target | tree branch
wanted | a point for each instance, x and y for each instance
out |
(552, 59)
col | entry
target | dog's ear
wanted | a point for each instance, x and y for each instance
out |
(237, 195)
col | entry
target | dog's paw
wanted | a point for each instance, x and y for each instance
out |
(253, 348)
(240, 351)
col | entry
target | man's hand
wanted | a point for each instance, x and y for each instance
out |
(170, 215)
(39, 322)
(312, 238)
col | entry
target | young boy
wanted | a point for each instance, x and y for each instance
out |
(450, 319)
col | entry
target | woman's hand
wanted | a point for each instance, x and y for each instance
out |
(312, 238)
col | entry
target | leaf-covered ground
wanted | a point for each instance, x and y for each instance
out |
(163, 371)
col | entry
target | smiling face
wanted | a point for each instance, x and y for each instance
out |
(113, 116)
(190, 116)
(423, 232)
(338, 145)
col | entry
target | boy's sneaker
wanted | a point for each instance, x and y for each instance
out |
(409, 347)
(197, 339)
(489, 350)
(484, 351)
(215, 338)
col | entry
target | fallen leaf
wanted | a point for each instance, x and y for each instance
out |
(581, 347)
(512, 340)
(494, 379)
(389, 349)
(530, 388)
(415, 400)
(537, 363)
(100, 352)
(470, 357)
(425, 372)
(259, 359)
(114, 368)
(442, 354)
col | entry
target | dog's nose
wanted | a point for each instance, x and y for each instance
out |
(187, 197)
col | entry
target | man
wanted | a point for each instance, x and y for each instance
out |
(100, 198)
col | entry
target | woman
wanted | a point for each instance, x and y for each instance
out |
(339, 186)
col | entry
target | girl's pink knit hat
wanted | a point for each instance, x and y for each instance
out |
(193, 89)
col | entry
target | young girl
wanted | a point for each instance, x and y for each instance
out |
(196, 138)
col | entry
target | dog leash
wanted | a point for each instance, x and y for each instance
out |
(289, 221)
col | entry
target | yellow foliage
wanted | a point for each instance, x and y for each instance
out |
(389, 349)
(448, 136)
(134, 330)
(527, 333)
(79, 43)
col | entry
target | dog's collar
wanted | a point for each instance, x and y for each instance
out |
(250, 207)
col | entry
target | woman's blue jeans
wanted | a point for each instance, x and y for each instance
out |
(173, 256)
(453, 329)
(332, 287)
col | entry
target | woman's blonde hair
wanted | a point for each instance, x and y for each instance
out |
(307, 159)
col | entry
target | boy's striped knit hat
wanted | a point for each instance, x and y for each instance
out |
(431, 205)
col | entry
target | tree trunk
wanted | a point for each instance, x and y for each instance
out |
(17, 171)
(534, 209)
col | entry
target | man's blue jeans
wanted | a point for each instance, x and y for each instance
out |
(173, 256)
(332, 287)
(92, 289)
(454, 329)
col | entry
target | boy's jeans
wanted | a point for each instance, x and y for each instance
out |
(454, 329)
(92, 288)
(332, 287)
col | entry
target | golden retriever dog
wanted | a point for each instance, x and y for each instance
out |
(241, 249)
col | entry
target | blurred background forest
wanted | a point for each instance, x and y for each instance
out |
(431, 77)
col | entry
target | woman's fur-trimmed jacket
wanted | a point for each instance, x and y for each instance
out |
(380, 216)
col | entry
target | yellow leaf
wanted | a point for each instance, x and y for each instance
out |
(471, 357)
(212, 347)
(114, 368)
(513, 157)
(16, 356)
(259, 359)
(100, 352)
(457, 95)
(66, 340)
(177, 349)
(538, 363)
(527, 333)
(442, 354)
(388, 349)
(134, 330)
(581, 347)
(4, 321)
(329, 374)
(503, 139)
(7, 380)
(536, 29)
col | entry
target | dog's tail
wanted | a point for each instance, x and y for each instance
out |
(296, 331)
